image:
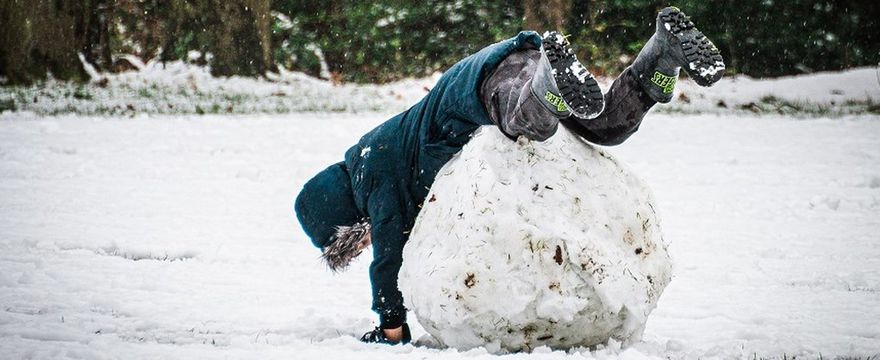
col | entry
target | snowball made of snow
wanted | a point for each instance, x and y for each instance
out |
(526, 244)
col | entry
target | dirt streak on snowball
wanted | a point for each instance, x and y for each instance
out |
(523, 244)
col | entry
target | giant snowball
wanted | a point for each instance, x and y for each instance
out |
(525, 244)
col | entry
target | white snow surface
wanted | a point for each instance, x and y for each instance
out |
(528, 244)
(823, 94)
(708, 70)
(174, 237)
(180, 88)
(578, 70)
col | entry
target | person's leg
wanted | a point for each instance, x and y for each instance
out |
(532, 89)
(626, 104)
(651, 78)
(509, 100)
(577, 87)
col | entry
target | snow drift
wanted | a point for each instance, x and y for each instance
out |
(525, 244)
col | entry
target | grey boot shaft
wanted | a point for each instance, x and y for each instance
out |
(510, 96)
(543, 88)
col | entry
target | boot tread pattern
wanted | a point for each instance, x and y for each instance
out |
(704, 62)
(578, 88)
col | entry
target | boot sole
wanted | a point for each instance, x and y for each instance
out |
(704, 62)
(577, 87)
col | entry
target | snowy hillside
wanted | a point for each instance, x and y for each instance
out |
(174, 236)
(820, 94)
(178, 88)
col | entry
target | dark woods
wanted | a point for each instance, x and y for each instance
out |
(380, 41)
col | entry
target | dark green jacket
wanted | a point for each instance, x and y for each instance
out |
(393, 166)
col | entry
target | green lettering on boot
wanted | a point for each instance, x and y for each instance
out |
(556, 101)
(665, 82)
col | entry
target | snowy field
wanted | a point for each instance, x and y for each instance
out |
(178, 88)
(174, 237)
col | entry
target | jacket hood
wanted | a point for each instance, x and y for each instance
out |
(325, 204)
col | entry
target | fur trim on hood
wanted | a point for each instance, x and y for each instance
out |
(346, 244)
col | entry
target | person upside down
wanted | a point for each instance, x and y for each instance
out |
(526, 86)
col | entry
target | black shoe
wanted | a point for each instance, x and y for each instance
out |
(701, 59)
(576, 85)
(377, 336)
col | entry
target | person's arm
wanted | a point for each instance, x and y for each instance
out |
(388, 238)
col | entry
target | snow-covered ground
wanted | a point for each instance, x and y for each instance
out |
(820, 94)
(174, 237)
(179, 88)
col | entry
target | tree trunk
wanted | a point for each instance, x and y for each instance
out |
(546, 15)
(41, 36)
(94, 23)
(242, 41)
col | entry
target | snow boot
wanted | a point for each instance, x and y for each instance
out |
(577, 90)
(676, 44)
(377, 336)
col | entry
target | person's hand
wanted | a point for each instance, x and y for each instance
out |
(365, 243)
(395, 334)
